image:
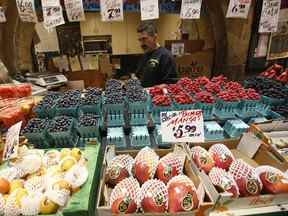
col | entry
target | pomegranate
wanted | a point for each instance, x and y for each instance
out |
(202, 158)
(221, 155)
(274, 181)
(182, 194)
(119, 169)
(170, 166)
(244, 175)
(153, 196)
(123, 199)
(145, 164)
(224, 180)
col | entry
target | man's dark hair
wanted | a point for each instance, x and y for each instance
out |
(148, 27)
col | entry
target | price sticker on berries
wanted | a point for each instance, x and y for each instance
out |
(12, 142)
(2, 15)
(238, 9)
(149, 9)
(182, 126)
(190, 9)
(111, 10)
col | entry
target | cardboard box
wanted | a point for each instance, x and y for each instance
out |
(102, 207)
(260, 157)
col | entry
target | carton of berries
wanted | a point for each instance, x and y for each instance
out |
(47, 182)
(149, 182)
(69, 103)
(91, 101)
(238, 177)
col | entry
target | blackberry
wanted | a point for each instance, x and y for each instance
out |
(60, 124)
(35, 125)
(88, 120)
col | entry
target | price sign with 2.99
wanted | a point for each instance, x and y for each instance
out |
(111, 10)
(182, 126)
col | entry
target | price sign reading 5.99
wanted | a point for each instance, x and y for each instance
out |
(182, 126)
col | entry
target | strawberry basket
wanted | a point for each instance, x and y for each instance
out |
(225, 109)
(235, 128)
(207, 109)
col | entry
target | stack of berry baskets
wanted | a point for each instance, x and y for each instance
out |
(69, 104)
(205, 102)
(91, 101)
(250, 102)
(88, 125)
(46, 107)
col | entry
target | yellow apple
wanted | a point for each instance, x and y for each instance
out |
(47, 206)
(67, 163)
(20, 193)
(76, 153)
(15, 184)
(62, 185)
(65, 152)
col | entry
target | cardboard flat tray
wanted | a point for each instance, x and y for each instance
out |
(102, 208)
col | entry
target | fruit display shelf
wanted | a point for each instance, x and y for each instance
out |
(140, 137)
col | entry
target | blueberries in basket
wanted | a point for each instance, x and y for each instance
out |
(60, 124)
(135, 92)
(70, 99)
(48, 101)
(88, 120)
(114, 93)
(35, 125)
(92, 96)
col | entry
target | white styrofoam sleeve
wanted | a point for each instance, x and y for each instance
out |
(77, 176)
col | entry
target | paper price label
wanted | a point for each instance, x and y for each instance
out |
(26, 10)
(2, 15)
(111, 10)
(53, 17)
(190, 9)
(12, 142)
(74, 10)
(50, 3)
(238, 8)
(149, 9)
(182, 126)
(269, 16)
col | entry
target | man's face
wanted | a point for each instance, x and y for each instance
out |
(147, 42)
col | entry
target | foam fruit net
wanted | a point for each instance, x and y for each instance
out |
(220, 149)
(181, 179)
(240, 169)
(124, 161)
(174, 160)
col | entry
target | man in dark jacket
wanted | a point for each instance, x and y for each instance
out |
(157, 65)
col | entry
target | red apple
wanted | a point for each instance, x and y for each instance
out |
(202, 158)
(154, 196)
(221, 155)
(182, 194)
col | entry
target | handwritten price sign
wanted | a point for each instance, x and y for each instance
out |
(190, 9)
(74, 10)
(269, 16)
(53, 17)
(2, 15)
(26, 10)
(182, 126)
(149, 9)
(238, 8)
(111, 10)
(12, 142)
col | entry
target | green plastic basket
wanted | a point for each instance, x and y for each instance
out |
(207, 109)
(224, 110)
(39, 140)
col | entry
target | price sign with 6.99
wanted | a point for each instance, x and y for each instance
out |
(182, 126)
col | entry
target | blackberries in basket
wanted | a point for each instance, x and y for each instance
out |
(92, 96)
(114, 92)
(135, 92)
(35, 125)
(87, 120)
(70, 99)
(60, 124)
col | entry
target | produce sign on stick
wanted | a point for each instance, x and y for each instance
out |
(190, 9)
(2, 15)
(12, 142)
(111, 10)
(238, 9)
(149, 9)
(182, 126)
(52, 13)
(26, 10)
(74, 10)
(269, 16)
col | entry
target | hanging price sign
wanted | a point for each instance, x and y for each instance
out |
(26, 10)
(238, 9)
(190, 9)
(52, 13)
(149, 9)
(269, 16)
(111, 10)
(74, 10)
(182, 126)
(2, 15)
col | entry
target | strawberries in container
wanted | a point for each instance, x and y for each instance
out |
(145, 165)
(183, 98)
(204, 97)
(153, 196)
(123, 199)
(228, 96)
(169, 166)
(161, 100)
(224, 180)
(118, 169)
(192, 88)
(251, 94)
(184, 81)
(174, 89)
(221, 79)
(274, 181)
(245, 176)
(182, 195)
(212, 87)
(156, 91)
(202, 158)
(233, 86)
(221, 155)
(202, 80)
